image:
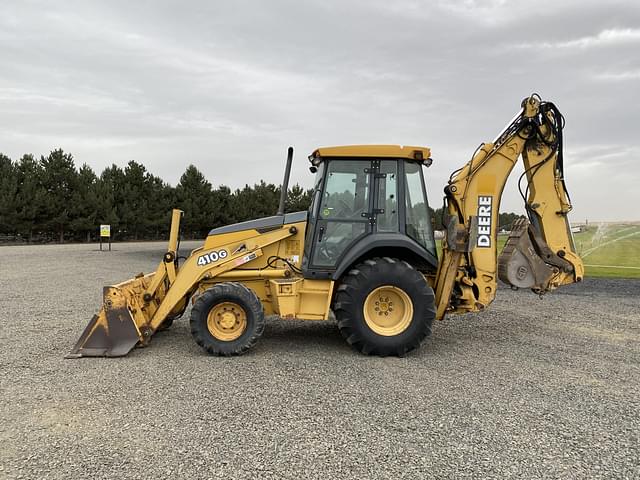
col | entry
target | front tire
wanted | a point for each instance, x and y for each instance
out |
(384, 307)
(227, 319)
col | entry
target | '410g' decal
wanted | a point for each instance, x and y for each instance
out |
(211, 257)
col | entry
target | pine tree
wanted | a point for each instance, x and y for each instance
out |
(8, 192)
(59, 181)
(108, 196)
(258, 201)
(195, 198)
(134, 210)
(85, 203)
(222, 208)
(161, 200)
(31, 196)
(298, 199)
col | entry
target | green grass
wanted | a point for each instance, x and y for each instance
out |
(607, 250)
(610, 250)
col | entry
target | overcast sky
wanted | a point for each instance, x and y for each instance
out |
(227, 86)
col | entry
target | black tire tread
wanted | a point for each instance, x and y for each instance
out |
(349, 299)
(228, 291)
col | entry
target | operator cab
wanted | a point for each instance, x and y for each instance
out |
(368, 201)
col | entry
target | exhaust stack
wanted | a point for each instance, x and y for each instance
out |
(285, 182)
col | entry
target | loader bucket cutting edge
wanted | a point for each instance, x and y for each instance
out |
(110, 333)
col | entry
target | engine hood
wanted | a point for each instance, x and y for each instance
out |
(266, 223)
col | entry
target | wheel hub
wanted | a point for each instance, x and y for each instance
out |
(227, 321)
(388, 310)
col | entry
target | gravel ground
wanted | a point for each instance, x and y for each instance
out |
(531, 388)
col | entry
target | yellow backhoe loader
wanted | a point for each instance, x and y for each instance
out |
(364, 252)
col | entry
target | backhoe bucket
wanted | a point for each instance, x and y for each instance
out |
(113, 332)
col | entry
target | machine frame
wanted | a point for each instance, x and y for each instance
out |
(379, 279)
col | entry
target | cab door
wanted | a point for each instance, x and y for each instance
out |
(343, 213)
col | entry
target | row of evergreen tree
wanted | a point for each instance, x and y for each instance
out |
(50, 199)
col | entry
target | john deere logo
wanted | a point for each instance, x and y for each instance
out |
(484, 221)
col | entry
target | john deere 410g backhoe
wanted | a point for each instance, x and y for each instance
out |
(364, 252)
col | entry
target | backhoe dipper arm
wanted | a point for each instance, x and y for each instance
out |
(539, 253)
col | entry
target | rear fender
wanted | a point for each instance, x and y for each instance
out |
(387, 245)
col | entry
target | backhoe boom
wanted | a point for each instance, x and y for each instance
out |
(539, 253)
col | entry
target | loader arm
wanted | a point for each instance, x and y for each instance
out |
(540, 253)
(132, 311)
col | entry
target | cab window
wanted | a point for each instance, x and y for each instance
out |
(347, 190)
(344, 210)
(387, 197)
(417, 209)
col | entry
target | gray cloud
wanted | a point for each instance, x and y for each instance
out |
(228, 86)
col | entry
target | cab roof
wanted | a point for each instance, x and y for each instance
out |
(375, 151)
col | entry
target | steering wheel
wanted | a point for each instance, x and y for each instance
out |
(328, 253)
(331, 251)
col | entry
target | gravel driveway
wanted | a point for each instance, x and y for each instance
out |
(531, 388)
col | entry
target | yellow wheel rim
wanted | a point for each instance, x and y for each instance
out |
(227, 321)
(388, 310)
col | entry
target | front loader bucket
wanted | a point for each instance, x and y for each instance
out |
(128, 308)
(113, 332)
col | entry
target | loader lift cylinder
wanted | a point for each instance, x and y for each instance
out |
(285, 182)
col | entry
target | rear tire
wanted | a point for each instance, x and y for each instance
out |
(227, 319)
(384, 307)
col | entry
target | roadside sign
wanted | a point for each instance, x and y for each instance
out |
(105, 232)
